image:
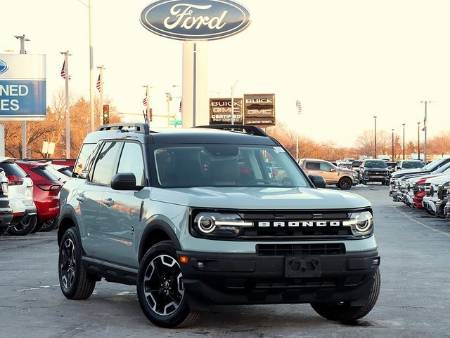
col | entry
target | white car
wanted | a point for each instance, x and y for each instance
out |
(20, 193)
(432, 202)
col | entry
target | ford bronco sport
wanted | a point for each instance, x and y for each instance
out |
(201, 216)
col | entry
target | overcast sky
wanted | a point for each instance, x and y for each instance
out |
(346, 60)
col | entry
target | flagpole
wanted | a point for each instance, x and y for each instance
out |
(100, 90)
(67, 113)
(91, 68)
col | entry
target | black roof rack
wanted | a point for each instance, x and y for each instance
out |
(251, 130)
(126, 127)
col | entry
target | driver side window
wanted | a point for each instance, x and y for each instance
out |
(325, 166)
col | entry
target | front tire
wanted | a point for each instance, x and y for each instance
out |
(74, 280)
(344, 312)
(160, 287)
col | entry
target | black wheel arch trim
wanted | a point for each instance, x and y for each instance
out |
(158, 223)
(66, 212)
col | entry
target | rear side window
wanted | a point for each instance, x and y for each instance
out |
(85, 152)
(45, 172)
(106, 164)
(132, 161)
(312, 165)
(12, 169)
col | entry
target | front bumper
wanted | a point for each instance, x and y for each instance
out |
(226, 278)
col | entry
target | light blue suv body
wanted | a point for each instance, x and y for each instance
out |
(229, 215)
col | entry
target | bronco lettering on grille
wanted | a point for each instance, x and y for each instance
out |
(299, 224)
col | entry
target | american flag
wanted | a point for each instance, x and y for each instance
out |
(181, 105)
(63, 70)
(99, 83)
(298, 104)
(145, 102)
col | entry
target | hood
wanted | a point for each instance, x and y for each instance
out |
(260, 198)
(404, 172)
(440, 179)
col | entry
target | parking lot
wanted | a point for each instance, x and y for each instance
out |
(414, 300)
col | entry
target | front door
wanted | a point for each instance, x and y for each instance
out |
(125, 208)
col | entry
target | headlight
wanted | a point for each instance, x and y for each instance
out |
(361, 223)
(214, 224)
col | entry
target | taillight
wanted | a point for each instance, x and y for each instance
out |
(15, 180)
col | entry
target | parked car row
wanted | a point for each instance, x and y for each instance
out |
(29, 196)
(424, 188)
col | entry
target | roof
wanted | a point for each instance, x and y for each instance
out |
(182, 136)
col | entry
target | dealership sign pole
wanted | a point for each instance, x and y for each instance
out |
(195, 21)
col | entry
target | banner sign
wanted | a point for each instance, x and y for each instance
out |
(22, 87)
(195, 19)
(259, 109)
(220, 111)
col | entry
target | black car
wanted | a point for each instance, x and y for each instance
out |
(6, 213)
(374, 171)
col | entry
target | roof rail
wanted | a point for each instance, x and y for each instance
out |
(127, 127)
(251, 130)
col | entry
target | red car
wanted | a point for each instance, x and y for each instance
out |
(47, 184)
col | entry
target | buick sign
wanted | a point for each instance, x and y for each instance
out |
(195, 19)
(3, 67)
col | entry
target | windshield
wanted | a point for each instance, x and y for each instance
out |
(432, 165)
(442, 169)
(223, 165)
(375, 164)
(356, 163)
(412, 165)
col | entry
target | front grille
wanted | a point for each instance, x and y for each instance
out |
(290, 232)
(300, 249)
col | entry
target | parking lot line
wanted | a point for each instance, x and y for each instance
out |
(420, 223)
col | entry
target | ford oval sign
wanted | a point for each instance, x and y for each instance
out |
(195, 19)
(3, 67)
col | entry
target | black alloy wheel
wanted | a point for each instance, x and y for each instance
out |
(23, 226)
(345, 183)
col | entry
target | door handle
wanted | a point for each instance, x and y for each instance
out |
(109, 202)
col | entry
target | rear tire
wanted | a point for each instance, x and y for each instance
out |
(160, 288)
(24, 226)
(345, 183)
(74, 280)
(48, 225)
(344, 312)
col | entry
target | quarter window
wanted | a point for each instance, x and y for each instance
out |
(132, 161)
(313, 165)
(106, 164)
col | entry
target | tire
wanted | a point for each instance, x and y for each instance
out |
(74, 280)
(48, 225)
(166, 305)
(38, 226)
(24, 226)
(345, 183)
(344, 312)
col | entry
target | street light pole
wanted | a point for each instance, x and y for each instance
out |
(393, 150)
(232, 101)
(91, 69)
(67, 112)
(425, 102)
(375, 148)
(418, 140)
(403, 147)
(22, 40)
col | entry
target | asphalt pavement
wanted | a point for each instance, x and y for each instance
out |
(414, 299)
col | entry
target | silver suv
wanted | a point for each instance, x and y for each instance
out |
(201, 216)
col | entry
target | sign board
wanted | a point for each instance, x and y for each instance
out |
(22, 87)
(259, 109)
(220, 111)
(194, 20)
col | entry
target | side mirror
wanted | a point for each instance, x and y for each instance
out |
(332, 170)
(318, 181)
(124, 181)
